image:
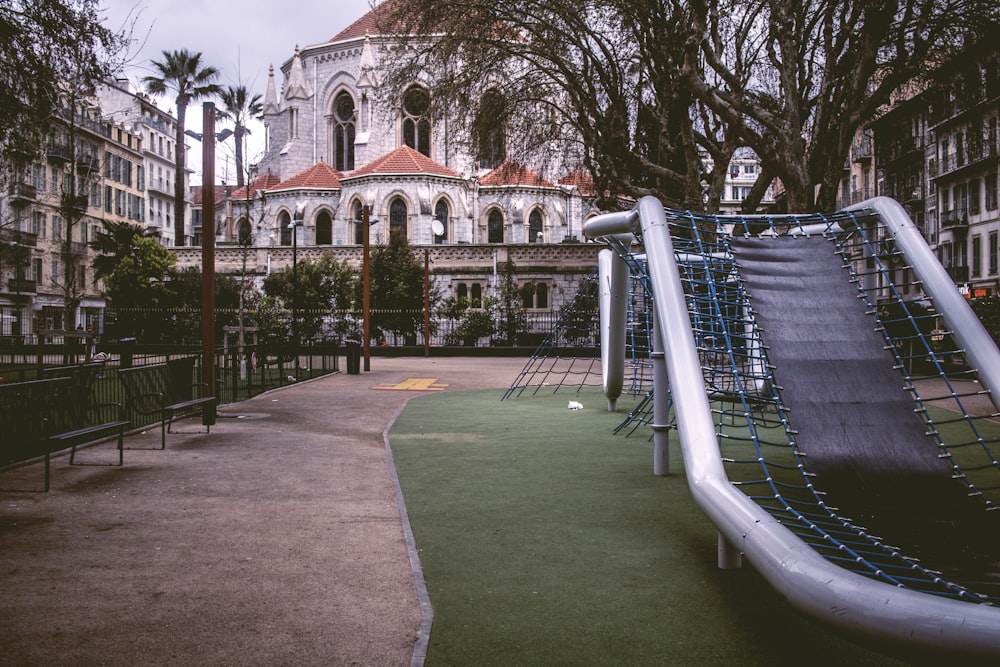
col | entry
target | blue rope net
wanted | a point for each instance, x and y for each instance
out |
(757, 430)
(550, 367)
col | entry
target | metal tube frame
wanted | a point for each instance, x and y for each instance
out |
(811, 583)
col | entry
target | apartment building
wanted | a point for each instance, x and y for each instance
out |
(938, 153)
(157, 130)
(89, 170)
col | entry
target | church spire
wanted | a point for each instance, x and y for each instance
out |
(297, 86)
(271, 94)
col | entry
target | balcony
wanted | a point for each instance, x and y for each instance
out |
(974, 158)
(956, 220)
(14, 237)
(160, 185)
(58, 152)
(21, 286)
(75, 206)
(861, 148)
(960, 274)
(22, 194)
(86, 164)
(74, 248)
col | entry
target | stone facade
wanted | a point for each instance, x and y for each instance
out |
(335, 145)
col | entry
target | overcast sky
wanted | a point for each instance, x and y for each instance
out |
(242, 38)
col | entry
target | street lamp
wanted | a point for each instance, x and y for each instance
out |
(293, 224)
(208, 249)
(366, 222)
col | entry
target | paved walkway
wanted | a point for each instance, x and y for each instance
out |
(274, 540)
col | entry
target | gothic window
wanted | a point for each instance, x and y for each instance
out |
(494, 227)
(397, 217)
(470, 292)
(542, 296)
(535, 295)
(343, 132)
(324, 229)
(283, 229)
(535, 227)
(244, 235)
(491, 129)
(441, 214)
(416, 120)
(359, 228)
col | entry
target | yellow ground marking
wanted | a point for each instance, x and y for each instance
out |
(414, 384)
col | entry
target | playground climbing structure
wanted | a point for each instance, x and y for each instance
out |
(817, 372)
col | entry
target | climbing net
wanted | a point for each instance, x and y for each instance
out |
(556, 365)
(758, 440)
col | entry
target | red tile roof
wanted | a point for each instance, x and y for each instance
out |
(320, 176)
(404, 160)
(580, 179)
(197, 191)
(375, 22)
(262, 182)
(512, 173)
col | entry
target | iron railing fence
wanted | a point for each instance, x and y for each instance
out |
(240, 374)
(392, 327)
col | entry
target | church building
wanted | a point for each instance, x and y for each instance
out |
(335, 145)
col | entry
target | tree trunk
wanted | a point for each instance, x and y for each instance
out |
(179, 164)
(238, 139)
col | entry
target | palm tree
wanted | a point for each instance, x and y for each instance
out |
(116, 243)
(240, 107)
(181, 72)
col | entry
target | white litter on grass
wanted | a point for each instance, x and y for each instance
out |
(574, 405)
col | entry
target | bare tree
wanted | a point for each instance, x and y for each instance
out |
(640, 91)
(575, 83)
(45, 43)
(819, 70)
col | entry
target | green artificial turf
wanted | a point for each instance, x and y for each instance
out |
(546, 540)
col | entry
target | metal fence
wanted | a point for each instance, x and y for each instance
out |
(240, 374)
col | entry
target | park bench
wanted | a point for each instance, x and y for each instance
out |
(165, 391)
(41, 417)
(83, 375)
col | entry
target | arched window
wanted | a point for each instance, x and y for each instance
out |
(541, 295)
(343, 132)
(535, 234)
(244, 233)
(494, 227)
(476, 297)
(359, 227)
(397, 217)
(284, 230)
(462, 291)
(324, 229)
(442, 214)
(490, 130)
(416, 120)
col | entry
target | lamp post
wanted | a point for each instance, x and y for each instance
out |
(366, 222)
(208, 250)
(427, 302)
(366, 285)
(294, 223)
(208, 139)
